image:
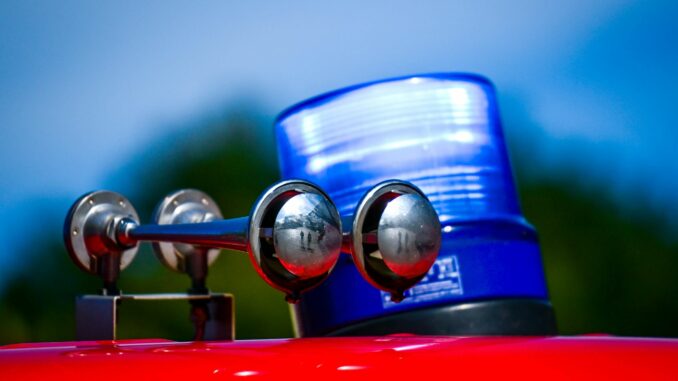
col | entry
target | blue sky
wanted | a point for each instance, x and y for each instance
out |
(86, 86)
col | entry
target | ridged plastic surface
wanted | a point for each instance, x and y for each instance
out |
(443, 133)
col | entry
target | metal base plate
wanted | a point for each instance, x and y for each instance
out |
(183, 207)
(85, 229)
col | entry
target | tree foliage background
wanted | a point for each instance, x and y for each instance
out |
(610, 267)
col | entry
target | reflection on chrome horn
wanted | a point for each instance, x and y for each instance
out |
(293, 235)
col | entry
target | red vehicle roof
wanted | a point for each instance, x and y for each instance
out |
(370, 358)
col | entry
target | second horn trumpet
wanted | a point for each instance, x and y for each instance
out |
(393, 236)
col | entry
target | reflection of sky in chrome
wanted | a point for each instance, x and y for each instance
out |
(598, 79)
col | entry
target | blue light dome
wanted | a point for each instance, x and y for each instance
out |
(442, 132)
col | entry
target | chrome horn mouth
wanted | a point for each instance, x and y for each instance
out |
(294, 236)
(395, 237)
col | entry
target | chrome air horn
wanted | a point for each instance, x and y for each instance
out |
(293, 235)
(393, 236)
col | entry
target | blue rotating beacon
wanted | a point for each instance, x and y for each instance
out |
(442, 133)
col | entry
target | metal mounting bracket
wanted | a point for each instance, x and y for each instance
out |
(97, 315)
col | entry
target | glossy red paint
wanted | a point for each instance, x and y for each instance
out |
(370, 358)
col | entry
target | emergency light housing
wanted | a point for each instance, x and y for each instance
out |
(442, 133)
